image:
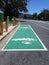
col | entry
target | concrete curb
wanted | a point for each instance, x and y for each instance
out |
(9, 32)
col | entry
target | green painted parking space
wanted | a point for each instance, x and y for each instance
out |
(24, 38)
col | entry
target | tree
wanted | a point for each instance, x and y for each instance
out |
(1, 4)
(34, 16)
(13, 7)
(25, 16)
(44, 15)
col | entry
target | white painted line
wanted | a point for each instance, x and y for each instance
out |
(27, 42)
(39, 39)
(23, 27)
(42, 26)
(10, 38)
(42, 22)
(45, 49)
(24, 50)
(24, 39)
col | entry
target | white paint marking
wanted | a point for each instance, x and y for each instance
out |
(23, 27)
(39, 39)
(24, 50)
(10, 38)
(42, 26)
(27, 42)
(45, 49)
(24, 39)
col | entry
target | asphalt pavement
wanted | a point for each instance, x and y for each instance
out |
(29, 57)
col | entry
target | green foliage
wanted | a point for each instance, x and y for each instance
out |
(13, 7)
(34, 16)
(0, 4)
(44, 15)
(25, 16)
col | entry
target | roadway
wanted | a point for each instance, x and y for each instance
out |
(29, 57)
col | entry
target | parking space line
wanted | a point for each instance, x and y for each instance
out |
(39, 39)
(10, 37)
(25, 40)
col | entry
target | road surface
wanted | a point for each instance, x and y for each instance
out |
(29, 57)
